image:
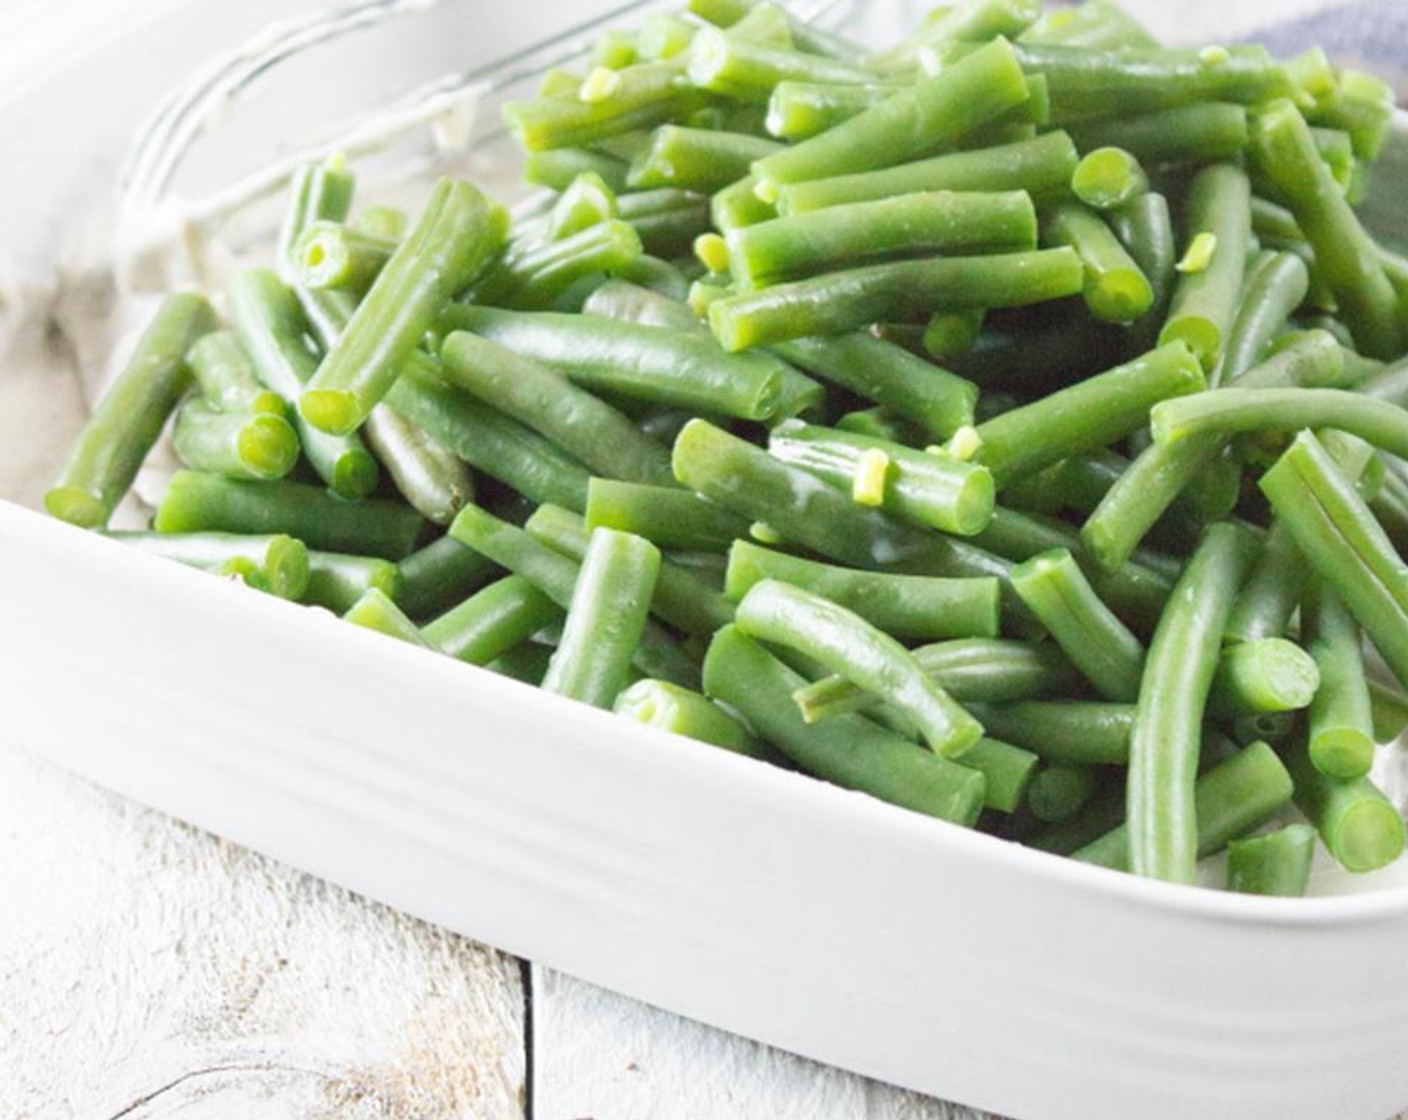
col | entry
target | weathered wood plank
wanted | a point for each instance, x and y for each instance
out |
(150, 970)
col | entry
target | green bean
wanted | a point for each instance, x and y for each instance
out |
(457, 234)
(539, 275)
(1042, 167)
(385, 222)
(130, 416)
(1008, 772)
(1274, 290)
(695, 159)
(912, 607)
(736, 67)
(1204, 132)
(952, 332)
(852, 298)
(904, 225)
(606, 618)
(585, 427)
(681, 598)
(663, 277)
(1343, 543)
(1109, 177)
(1104, 812)
(1165, 830)
(968, 21)
(1055, 590)
(682, 711)
(1162, 471)
(559, 167)
(1228, 801)
(1095, 25)
(919, 119)
(1257, 410)
(433, 479)
(648, 363)
(439, 575)
(333, 256)
(1283, 153)
(319, 191)
(492, 621)
(798, 110)
(738, 205)
(1086, 416)
(879, 422)
(845, 643)
(663, 35)
(279, 561)
(1362, 105)
(238, 444)
(1115, 288)
(1389, 708)
(1205, 301)
(742, 17)
(1075, 732)
(850, 751)
(337, 580)
(488, 440)
(633, 303)
(1263, 675)
(1359, 826)
(199, 502)
(1061, 790)
(226, 377)
(375, 611)
(274, 331)
(643, 96)
(614, 49)
(1276, 864)
(668, 516)
(666, 220)
(1341, 725)
(937, 491)
(937, 401)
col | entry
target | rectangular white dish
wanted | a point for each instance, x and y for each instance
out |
(757, 900)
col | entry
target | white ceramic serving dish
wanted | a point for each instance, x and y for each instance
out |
(754, 899)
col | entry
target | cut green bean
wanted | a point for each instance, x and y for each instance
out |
(666, 220)
(199, 502)
(798, 110)
(1075, 732)
(439, 575)
(457, 234)
(1115, 287)
(1274, 291)
(1094, 24)
(1283, 152)
(274, 330)
(1042, 167)
(742, 17)
(1276, 864)
(1359, 826)
(1089, 415)
(936, 400)
(226, 377)
(319, 191)
(279, 561)
(587, 428)
(642, 96)
(846, 644)
(1204, 132)
(935, 111)
(130, 416)
(912, 607)
(745, 70)
(1109, 177)
(492, 621)
(1341, 722)
(540, 275)
(434, 480)
(1263, 675)
(1059, 791)
(376, 611)
(937, 491)
(1099, 644)
(337, 580)
(855, 297)
(606, 618)
(558, 168)
(1008, 772)
(695, 159)
(336, 257)
(668, 516)
(1104, 812)
(682, 711)
(648, 363)
(1164, 826)
(1228, 801)
(850, 751)
(1205, 302)
(947, 222)
(255, 445)
(952, 332)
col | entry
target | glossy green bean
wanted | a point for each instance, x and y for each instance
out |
(1115, 289)
(1277, 863)
(642, 96)
(798, 110)
(1094, 24)
(441, 574)
(695, 159)
(682, 711)
(1164, 826)
(1263, 675)
(318, 191)
(492, 621)
(1274, 290)
(1204, 132)
(1109, 177)
(850, 751)
(1359, 826)
(540, 275)
(226, 378)
(556, 168)
(255, 445)
(666, 515)
(376, 611)
(1078, 732)
(130, 416)
(1008, 772)
(434, 480)
(337, 580)
(746, 70)
(1341, 721)
(279, 561)
(337, 257)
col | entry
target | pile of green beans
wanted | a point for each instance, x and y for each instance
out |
(1009, 423)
